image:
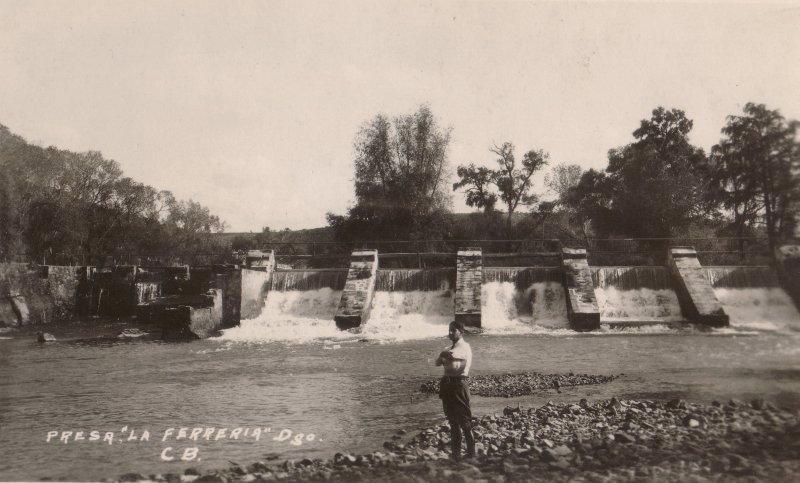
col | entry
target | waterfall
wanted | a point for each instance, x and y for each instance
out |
(632, 278)
(147, 291)
(523, 299)
(293, 316)
(522, 277)
(288, 280)
(415, 280)
(635, 295)
(507, 308)
(742, 277)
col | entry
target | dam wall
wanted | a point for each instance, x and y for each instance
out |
(574, 295)
(698, 301)
(358, 290)
(469, 279)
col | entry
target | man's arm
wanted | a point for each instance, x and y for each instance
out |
(444, 357)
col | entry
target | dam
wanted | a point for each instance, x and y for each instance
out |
(411, 303)
(546, 292)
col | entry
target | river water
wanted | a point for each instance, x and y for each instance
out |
(312, 390)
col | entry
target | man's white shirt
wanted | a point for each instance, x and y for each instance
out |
(460, 350)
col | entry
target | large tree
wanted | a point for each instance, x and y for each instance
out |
(401, 167)
(512, 179)
(755, 171)
(653, 187)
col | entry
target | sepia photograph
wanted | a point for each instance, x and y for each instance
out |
(399, 241)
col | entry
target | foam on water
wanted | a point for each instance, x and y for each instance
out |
(768, 308)
(538, 308)
(292, 316)
(409, 315)
(642, 305)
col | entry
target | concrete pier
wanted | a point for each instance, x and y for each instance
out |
(469, 278)
(358, 290)
(699, 303)
(582, 309)
(787, 259)
(256, 283)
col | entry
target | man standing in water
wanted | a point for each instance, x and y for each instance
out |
(454, 390)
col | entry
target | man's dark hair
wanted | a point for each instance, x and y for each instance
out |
(457, 324)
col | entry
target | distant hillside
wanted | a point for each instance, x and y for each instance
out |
(323, 234)
(463, 226)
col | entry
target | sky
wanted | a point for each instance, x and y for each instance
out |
(251, 108)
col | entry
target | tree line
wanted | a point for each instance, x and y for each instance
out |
(657, 186)
(58, 206)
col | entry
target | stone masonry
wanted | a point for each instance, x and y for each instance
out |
(582, 309)
(699, 303)
(469, 278)
(357, 295)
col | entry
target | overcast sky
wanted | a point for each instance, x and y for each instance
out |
(250, 108)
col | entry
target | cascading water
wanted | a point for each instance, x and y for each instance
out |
(411, 304)
(753, 299)
(299, 307)
(635, 295)
(287, 280)
(293, 316)
(147, 291)
(522, 300)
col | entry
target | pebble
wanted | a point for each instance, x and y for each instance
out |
(603, 442)
(512, 385)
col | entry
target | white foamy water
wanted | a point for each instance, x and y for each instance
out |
(292, 316)
(640, 305)
(508, 310)
(759, 308)
(409, 315)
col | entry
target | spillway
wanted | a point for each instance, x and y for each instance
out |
(635, 295)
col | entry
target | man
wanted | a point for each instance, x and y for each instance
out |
(454, 390)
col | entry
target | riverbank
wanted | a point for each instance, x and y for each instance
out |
(610, 440)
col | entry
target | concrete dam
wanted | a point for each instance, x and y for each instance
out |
(264, 301)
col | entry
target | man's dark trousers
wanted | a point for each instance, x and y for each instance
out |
(454, 392)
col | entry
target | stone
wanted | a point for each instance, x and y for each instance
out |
(129, 477)
(211, 479)
(45, 337)
(624, 438)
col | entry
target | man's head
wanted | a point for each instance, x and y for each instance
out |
(456, 330)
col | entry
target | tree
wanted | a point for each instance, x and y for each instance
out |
(478, 180)
(400, 179)
(513, 182)
(653, 187)
(591, 201)
(755, 171)
(561, 179)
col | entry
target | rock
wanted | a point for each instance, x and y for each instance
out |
(128, 477)
(676, 404)
(758, 404)
(211, 479)
(45, 337)
(192, 471)
(624, 438)
(691, 422)
(561, 464)
(562, 450)
(188, 478)
(258, 467)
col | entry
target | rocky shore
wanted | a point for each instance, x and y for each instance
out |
(612, 440)
(511, 385)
